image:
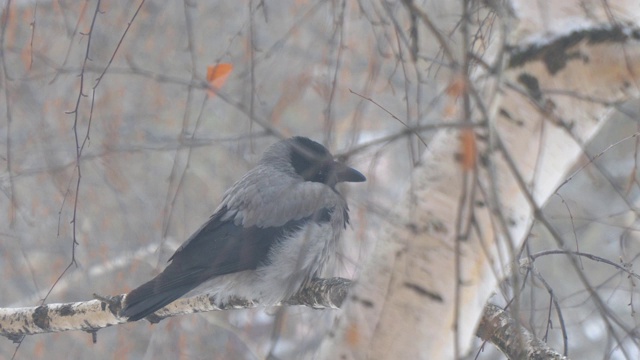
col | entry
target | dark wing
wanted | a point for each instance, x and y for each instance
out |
(217, 248)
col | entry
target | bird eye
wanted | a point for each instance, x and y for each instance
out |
(319, 175)
(311, 161)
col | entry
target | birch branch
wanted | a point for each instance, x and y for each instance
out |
(94, 315)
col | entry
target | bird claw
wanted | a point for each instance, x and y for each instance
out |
(114, 302)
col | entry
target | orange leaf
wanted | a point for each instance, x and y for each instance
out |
(469, 150)
(457, 86)
(352, 335)
(217, 75)
(450, 109)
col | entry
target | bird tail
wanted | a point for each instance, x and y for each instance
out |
(151, 296)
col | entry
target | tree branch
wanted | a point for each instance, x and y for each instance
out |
(94, 315)
(515, 342)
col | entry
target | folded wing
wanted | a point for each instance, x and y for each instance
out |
(217, 248)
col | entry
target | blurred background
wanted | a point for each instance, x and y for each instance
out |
(110, 137)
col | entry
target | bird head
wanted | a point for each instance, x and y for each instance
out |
(312, 161)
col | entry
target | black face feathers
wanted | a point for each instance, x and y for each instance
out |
(315, 163)
(310, 160)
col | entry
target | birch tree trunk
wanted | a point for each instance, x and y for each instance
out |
(533, 104)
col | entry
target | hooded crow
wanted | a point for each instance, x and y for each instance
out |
(275, 229)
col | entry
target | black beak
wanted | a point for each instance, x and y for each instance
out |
(345, 173)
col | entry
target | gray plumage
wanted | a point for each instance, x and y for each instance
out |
(275, 229)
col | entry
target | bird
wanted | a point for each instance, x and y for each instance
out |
(274, 230)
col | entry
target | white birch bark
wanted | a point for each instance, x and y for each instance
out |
(554, 94)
